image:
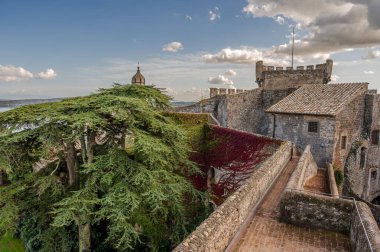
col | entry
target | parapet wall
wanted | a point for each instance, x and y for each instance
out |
(364, 231)
(270, 77)
(217, 231)
(308, 209)
(305, 208)
(306, 169)
(221, 91)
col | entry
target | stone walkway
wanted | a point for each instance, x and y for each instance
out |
(318, 183)
(265, 233)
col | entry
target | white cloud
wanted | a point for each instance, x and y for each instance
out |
(330, 25)
(49, 74)
(220, 79)
(214, 14)
(12, 73)
(335, 77)
(369, 72)
(245, 55)
(230, 72)
(188, 17)
(172, 47)
(240, 56)
(371, 54)
(280, 20)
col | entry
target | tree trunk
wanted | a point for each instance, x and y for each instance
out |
(90, 146)
(71, 162)
(83, 148)
(84, 237)
(1, 178)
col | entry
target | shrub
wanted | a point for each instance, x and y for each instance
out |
(338, 176)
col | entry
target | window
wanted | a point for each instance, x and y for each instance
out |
(312, 127)
(363, 151)
(375, 137)
(343, 142)
(373, 175)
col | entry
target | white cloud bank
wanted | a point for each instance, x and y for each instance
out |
(11, 73)
(173, 47)
(245, 55)
(331, 25)
(220, 79)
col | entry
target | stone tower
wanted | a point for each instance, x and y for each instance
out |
(138, 78)
(270, 77)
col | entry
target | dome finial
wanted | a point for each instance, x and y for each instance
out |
(138, 78)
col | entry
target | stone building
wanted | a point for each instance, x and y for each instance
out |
(326, 117)
(341, 122)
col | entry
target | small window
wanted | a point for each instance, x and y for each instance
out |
(375, 137)
(373, 175)
(363, 153)
(343, 142)
(312, 127)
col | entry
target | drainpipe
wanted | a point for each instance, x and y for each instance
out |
(274, 125)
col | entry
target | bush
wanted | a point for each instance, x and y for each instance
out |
(338, 176)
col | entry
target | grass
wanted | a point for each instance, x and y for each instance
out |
(10, 244)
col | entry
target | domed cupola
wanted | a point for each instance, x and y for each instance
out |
(138, 78)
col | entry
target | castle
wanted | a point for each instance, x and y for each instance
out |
(334, 126)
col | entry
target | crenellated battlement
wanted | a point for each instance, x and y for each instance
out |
(279, 77)
(222, 91)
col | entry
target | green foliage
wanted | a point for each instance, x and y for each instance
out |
(338, 176)
(10, 244)
(131, 197)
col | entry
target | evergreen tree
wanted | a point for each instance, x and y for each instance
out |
(102, 171)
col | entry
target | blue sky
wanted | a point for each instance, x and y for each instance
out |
(69, 48)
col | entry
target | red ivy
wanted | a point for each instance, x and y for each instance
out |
(233, 155)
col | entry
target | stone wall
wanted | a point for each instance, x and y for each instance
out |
(244, 111)
(332, 182)
(365, 238)
(271, 78)
(308, 209)
(312, 210)
(216, 232)
(306, 169)
(247, 112)
(349, 123)
(294, 128)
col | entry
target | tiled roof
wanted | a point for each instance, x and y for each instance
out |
(319, 99)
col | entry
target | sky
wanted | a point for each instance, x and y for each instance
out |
(52, 49)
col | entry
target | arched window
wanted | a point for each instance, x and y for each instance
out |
(363, 152)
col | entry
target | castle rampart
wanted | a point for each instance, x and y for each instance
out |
(221, 91)
(270, 77)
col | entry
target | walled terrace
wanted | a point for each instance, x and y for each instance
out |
(278, 209)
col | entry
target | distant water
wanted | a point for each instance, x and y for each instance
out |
(3, 109)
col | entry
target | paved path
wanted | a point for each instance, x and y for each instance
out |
(265, 233)
(318, 183)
